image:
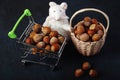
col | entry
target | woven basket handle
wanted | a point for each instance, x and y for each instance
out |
(91, 9)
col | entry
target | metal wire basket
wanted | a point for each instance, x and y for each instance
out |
(50, 59)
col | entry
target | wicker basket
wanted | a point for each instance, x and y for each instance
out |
(89, 48)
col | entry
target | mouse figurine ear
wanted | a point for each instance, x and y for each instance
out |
(64, 5)
(52, 4)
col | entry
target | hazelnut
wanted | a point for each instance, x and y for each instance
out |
(78, 72)
(53, 34)
(86, 66)
(46, 39)
(47, 47)
(87, 24)
(34, 50)
(94, 21)
(90, 32)
(76, 32)
(32, 34)
(80, 29)
(100, 27)
(40, 44)
(87, 19)
(38, 37)
(61, 39)
(36, 28)
(96, 37)
(41, 51)
(46, 30)
(29, 41)
(55, 47)
(53, 40)
(92, 27)
(93, 73)
(84, 37)
(100, 32)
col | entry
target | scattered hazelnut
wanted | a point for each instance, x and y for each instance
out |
(55, 47)
(46, 39)
(36, 28)
(40, 44)
(84, 37)
(78, 72)
(38, 37)
(53, 34)
(53, 40)
(93, 73)
(96, 37)
(86, 66)
(46, 30)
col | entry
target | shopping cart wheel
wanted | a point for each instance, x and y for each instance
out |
(23, 62)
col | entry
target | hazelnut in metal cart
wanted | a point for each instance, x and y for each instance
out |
(42, 45)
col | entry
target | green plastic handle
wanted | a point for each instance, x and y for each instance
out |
(12, 34)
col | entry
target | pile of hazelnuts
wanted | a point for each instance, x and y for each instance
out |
(86, 68)
(88, 30)
(45, 38)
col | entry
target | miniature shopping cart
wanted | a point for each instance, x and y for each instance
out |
(50, 59)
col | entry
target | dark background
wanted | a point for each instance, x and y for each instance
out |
(107, 62)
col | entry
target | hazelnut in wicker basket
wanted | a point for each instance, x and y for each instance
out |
(89, 34)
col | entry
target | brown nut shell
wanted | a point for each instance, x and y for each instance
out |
(32, 34)
(36, 28)
(91, 32)
(87, 19)
(61, 39)
(93, 73)
(100, 32)
(55, 47)
(53, 34)
(29, 41)
(54, 40)
(80, 29)
(84, 37)
(78, 72)
(34, 50)
(38, 37)
(96, 37)
(48, 47)
(46, 30)
(40, 44)
(94, 21)
(86, 65)
(46, 39)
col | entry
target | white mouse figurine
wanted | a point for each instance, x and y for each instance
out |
(57, 19)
